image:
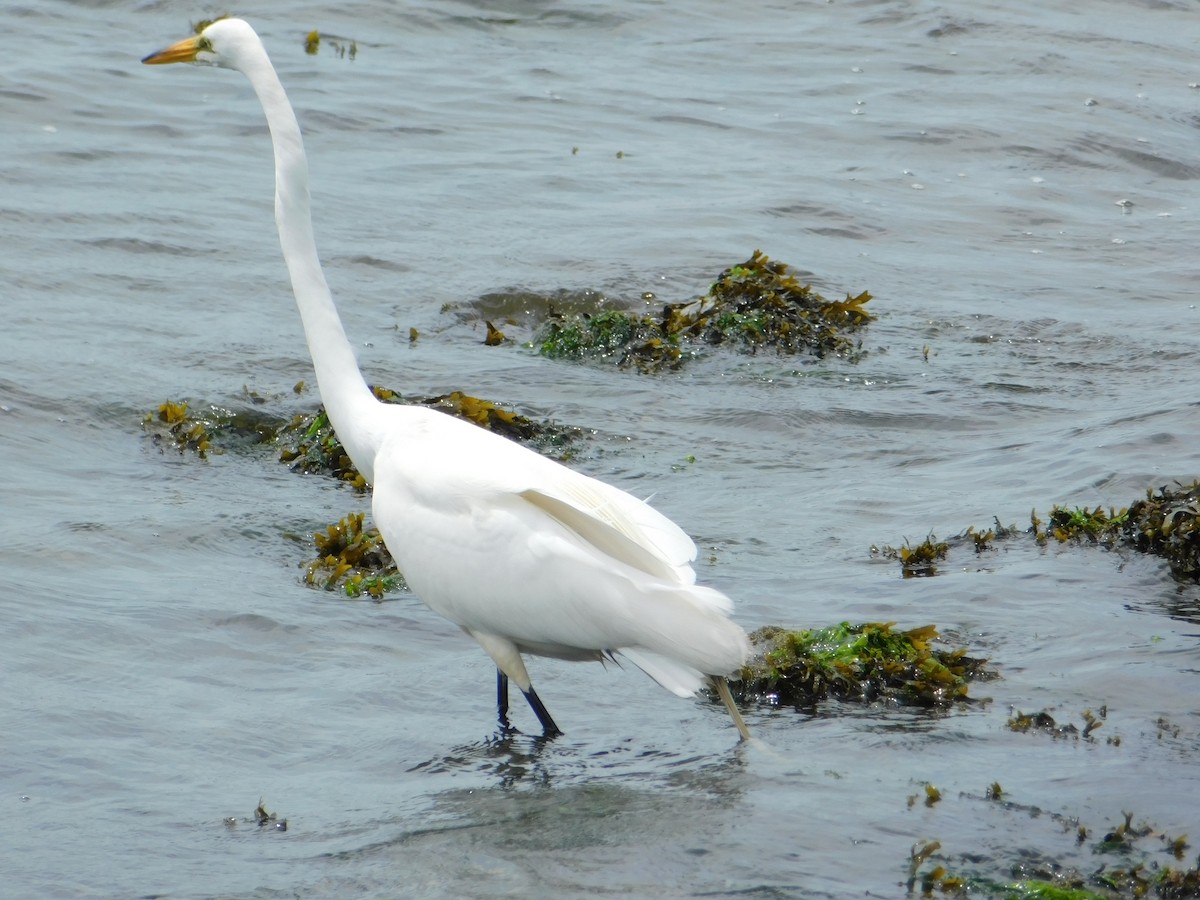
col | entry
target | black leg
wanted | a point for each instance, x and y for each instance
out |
(502, 700)
(549, 729)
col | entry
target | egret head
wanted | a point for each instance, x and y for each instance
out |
(219, 43)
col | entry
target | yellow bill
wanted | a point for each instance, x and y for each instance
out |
(183, 51)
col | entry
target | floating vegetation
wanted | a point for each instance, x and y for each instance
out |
(172, 425)
(1166, 523)
(262, 818)
(753, 306)
(985, 540)
(760, 303)
(863, 663)
(316, 449)
(1041, 721)
(916, 562)
(1045, 723)
(353, 560)
(495, 336)
(1053, 877)
(312, 45)
(198, 27)
(1079, 523)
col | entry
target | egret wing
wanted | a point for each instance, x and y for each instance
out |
(618, 524)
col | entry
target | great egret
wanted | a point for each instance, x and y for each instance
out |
(524, 554)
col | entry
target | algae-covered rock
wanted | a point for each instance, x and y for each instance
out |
(864, 663)
(754, 306)
(545, 437)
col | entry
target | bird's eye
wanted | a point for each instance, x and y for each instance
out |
(205, 44)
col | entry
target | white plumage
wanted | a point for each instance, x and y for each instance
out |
(525, 555)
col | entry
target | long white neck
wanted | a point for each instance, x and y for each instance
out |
(351, 406)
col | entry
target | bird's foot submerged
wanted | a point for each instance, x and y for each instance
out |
(549, 729)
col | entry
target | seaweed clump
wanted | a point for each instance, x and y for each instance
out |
(354, 560)
(171, 424)
(1054, 877)
(756, 305)
(627, 338)
(1044, 722)
(309, 443)
(919, 561)
(760, 303)
(1167, 524)
(553, 440)
(864, 663)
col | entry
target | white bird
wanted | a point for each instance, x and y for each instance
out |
(522, 553)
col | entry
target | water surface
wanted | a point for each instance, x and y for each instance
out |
(1015, 185)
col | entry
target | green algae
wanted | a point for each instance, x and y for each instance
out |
(760, 303)
(625, 338)
(864, 663)
(309, 444)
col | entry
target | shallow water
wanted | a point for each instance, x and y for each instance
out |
(164, 665)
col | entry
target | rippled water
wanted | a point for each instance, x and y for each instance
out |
(1014, 184)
